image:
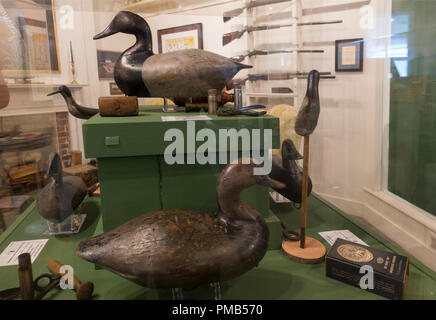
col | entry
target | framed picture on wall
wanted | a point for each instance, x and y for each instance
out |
(179, 38)
(31, 44)
(349, 55)
(106, 63)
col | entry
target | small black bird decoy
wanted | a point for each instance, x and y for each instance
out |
(181, 74)
(175, 248)
(61, 196)
(74, 108)
(308, 115)
(286, 170)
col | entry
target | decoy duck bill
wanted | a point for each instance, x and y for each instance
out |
(53, 93)
(106, 33)
(268, 182)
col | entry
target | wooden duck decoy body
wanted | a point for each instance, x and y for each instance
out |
(184, 249)
(74, 108)
(61, 196)
(286, 170)
(182, 74)
(308, 115)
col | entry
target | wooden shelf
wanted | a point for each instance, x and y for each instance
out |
(43, 85)
(270, 95)
(153, 7)
(12, 111)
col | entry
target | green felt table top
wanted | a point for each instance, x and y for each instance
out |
(276, 277)
(144, 135)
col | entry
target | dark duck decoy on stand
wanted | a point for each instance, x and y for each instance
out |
(308, 115)
(74, 108)
(61, 196)
(286, 170)
(176, 248)
(182, 74)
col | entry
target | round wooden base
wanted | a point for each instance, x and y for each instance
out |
(313, 253)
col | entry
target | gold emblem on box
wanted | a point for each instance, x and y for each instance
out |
(355, 253)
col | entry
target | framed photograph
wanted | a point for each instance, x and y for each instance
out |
(179, 38)
(106, 63)
(114, 90)
(349, 55)
(31, 43)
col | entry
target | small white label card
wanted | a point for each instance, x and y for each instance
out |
(331, 236)
(278, 198)
(185, 118)
(9, 256)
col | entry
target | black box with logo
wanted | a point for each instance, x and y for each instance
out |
(350, 263)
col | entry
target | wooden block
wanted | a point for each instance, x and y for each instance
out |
(89, 174)
(118, 106)
(4, 93)
(76, 158)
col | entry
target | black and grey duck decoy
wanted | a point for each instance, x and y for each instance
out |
(61, 196)
(182, 74)
(176, 248)
(286, 170)
(74, 108)
(308, 115)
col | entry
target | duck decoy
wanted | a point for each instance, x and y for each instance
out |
(175, 248)
(74, 108)
(182, 74)
(308, 115)
(61, 196)
(286, 170)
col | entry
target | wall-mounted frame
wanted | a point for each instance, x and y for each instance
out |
(349, 55)
(114, 89)
(179, 38)
(106, 63)
(32, 36)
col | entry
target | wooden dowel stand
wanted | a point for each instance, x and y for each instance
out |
(304, 193)
(307, 250)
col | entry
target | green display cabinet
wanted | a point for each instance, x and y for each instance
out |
(136, 179)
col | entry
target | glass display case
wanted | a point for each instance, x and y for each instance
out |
(133, 134)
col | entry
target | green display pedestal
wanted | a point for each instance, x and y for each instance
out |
(135, 178)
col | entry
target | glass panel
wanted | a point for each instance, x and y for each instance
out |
(412, 153)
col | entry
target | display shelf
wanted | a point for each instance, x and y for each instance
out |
(154, 7)
(30, 110)
(276, 277)
(43, 85)
(270, 95)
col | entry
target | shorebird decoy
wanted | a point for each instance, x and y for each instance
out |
(74, 108)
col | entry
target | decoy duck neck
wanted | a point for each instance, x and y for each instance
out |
(312, 85)
(232, 181)
(144, 40)
(55, 170)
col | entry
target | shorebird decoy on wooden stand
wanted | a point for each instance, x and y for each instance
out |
(307, 250)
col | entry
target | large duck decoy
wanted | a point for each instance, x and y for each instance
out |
(176, 248)
(74, 108)
(308, 115)
(286, 170)
(61, 196)
(182, 74)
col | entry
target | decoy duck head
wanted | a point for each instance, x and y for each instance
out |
(55, 168)
(64, 91)
(289, 152)
(239, 176)
(313, 83)
(124, 22)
